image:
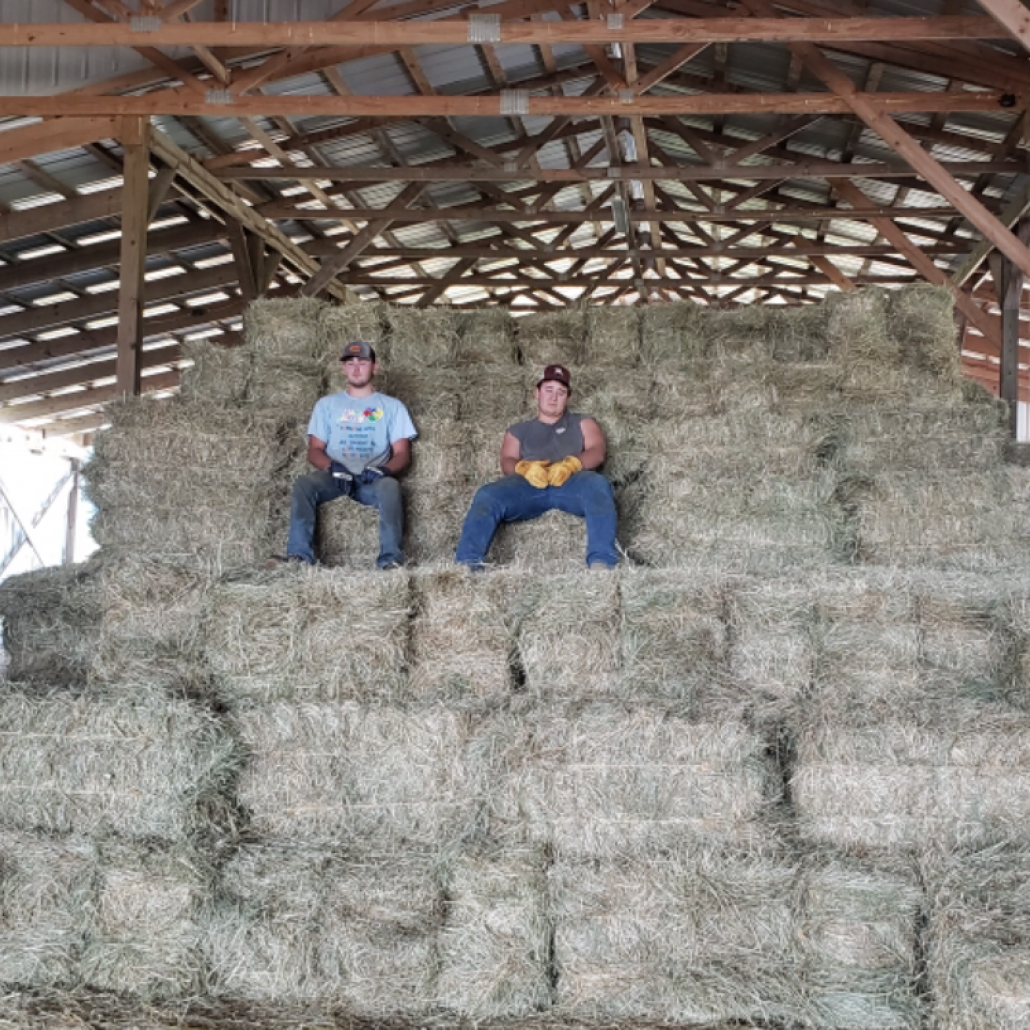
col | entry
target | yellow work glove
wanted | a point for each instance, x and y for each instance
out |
(534, 472)
(561, 470)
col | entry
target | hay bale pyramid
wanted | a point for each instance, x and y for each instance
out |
(773, 771)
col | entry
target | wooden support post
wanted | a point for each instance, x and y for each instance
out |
(1008, 286)
(135, 210)
(73, 513)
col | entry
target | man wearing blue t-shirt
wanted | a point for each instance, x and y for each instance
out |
(548, 462)
(358, 441)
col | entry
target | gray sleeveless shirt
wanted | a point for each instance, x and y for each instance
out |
(546, 441)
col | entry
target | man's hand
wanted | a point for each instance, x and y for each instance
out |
(534, 472)
(371, 474)
(340, 471)
(560, 471)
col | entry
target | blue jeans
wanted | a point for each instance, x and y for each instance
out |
(513, 499)
(320, 487)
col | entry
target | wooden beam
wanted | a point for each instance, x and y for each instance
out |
(135, 139)
(1013, 16)
(53, 135)
(457, 31)
(1008, 286)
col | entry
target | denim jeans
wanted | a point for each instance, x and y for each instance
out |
(320, 487)
(513, 499)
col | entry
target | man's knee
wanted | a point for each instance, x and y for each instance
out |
(598, 486)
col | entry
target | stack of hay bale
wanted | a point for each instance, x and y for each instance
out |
(743, 779)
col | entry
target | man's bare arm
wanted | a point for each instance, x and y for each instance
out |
(511, 454)
(594, 447)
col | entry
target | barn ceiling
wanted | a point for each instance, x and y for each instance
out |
(161, 164)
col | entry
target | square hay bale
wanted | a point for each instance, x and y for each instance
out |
(495, 398)
(138, 764)
(922, 320)
(486, 336)
(701, 935)
(150, 630)
(218, 375)
(51, 624)
(805, 387)
(858, 926)
(621, 406)
(613, 335)
(894, 776)
(433, 392)
(910, 518)
(797, 334)
(462, 637)
(309, 634)
(553, 337)
(606, 779)
(387, 776)
(555, 541)
(286, 394)
(675, 638)
(146, 935)
(344, 323)
(46, 896)
(690, 390)
(495, 940)
(978, 953)
(423, 338)
(857, 329)
(568, 635)
(285, 331)
(673, 334)
(347, 535)
(772, 647)
(484, 441)
(170, 478)
(296, 922)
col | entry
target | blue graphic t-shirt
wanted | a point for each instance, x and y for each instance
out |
(360, 431)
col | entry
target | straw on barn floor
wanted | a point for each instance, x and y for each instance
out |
(486, 336)
(857, 927)
(389, 777)
(695, 936)
(296, 922)
(423, 338)
(138, 763)
(606, 779)
(892, 773)
(462, 637)
(978, 953)
(553, 337)
(46, 891)
(309, 634)
(494, 943)
(145, 938)
(170, 478)
(218, 375)
(51, 624)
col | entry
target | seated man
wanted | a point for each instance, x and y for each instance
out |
(358, 440)
(548, 462)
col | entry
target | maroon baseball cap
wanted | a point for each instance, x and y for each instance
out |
(358, 349)
(557, 374)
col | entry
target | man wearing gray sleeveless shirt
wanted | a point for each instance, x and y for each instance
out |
(548, 462)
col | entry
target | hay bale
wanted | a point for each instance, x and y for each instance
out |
(150, 630)
(494, 943)
(301, 923)
(146, 934)
(51, 624)
(621, 406)
(462, 636)
(285, 332)
(771, 650)
(608, 779)
(192, 480)
(496, 397)
(857, 329)
(857, 927)
(285, 394)
(675, 638)
(797, 334)
(568, 635)
(486, 336)
(554, 337)
(138, 764)
(344, 323)
(697, 936)
(891, 775)
(46, 893)
(673, 334)
(218, 375)
(920, 518)
(346, 535)
(302, 634)
(922, 319)
(433, 392)
(978, 953)
(423, 338)
(555, 541)
(386, 776)
(613, 335)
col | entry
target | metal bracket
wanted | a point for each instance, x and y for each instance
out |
(616, 21)
(627, 96)
(514, 101)
(484, 28)
(144, 23)
(219, 96)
